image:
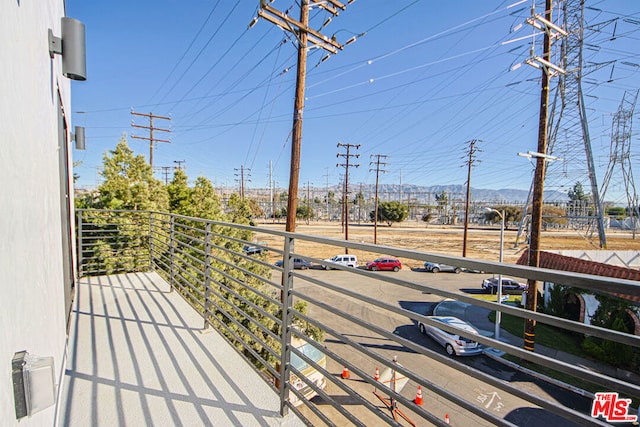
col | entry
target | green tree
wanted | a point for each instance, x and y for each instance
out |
(617, 212)
(179, 192)
(442, 199)
(577, 194)
(391, 212)
(204, 202)
(304, 212)
(557, 300)
(256, 209)
(241, 212)
(511, 214)
(612, 314)
(330, 197)
(129, 183)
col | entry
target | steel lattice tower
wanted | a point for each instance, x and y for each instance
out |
(568, 131)
(620, 157)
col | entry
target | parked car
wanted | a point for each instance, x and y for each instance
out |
(508, 285)
(346, 260)
(390, 264)
(453, 344)
(298, 263)
(435, 267)
(252, 250)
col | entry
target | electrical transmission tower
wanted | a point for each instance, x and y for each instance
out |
(620, 157)
(568, 129)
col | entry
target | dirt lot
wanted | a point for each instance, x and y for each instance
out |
(482, 243)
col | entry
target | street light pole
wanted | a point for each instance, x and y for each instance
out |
(499, 291)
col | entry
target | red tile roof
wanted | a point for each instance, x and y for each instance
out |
(577, 265)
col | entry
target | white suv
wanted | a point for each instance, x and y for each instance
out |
(346, 260)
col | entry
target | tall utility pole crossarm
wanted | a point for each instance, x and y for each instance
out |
(345, 197)
(378, 163)
(472, 159)
(304, 34)
(151, 129)
(179, 163)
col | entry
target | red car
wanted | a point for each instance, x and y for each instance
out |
(384, 264)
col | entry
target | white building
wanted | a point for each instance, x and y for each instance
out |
(36, 227)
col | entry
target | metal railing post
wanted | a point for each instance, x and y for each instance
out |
(207, 274)
(285, 342)
(79, 243)
(172, 251)
(151, 241)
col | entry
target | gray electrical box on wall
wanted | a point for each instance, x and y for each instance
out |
(33, 383)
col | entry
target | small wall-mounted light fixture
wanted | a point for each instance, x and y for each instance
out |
(33, 383)
(78, 137)
(72, 47)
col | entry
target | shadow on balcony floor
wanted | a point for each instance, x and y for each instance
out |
(138, 356)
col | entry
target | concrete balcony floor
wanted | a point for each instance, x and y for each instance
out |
(138, 356)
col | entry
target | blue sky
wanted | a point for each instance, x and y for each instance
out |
(424, 79)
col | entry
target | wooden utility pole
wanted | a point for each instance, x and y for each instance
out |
(378, 163)
(308, 200)
(243, 177)
(271, 198)
(327, 195)
(151, 129)
(538, 182)
(303, 34)
(472, 159)
(179, 163)
(345, 196)
(165, 172)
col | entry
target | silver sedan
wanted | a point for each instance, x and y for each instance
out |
(452, 343)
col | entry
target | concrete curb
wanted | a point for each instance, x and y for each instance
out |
(498, 358)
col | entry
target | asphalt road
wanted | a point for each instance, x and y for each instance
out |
(476, 391)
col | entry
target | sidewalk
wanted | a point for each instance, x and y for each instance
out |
(479, 318)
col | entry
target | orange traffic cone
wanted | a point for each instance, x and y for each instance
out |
(377, 375)
(446, 418)
(345, 373)
(418, 399)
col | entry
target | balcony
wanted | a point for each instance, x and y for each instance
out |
(175, 324)
(140, 356)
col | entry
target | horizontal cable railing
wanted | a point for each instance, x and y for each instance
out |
(302, 330)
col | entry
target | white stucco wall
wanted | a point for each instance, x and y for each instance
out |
(32, 314)
(628, 259)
